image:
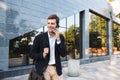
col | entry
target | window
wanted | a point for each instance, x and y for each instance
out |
(73, 37)
(19, 49)
(116, 38)
(97, 36)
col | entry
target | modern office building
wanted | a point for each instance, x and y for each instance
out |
(91, 28)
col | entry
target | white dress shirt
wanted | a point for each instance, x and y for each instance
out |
(52, 40)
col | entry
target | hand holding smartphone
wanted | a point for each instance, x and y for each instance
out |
(57, 34)
(53, 31)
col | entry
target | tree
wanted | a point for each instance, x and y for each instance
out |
(116, 35)
(97, 31)
(72, 39)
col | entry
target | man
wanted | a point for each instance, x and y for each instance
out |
(47, 49)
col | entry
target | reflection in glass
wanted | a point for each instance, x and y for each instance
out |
(72, 36)
(19, 49)
(63, 22)
(73, 42)
(116, 38)
(70, 21)
(97, 36)
(20, 46)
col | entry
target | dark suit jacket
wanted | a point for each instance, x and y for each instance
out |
(40, 42)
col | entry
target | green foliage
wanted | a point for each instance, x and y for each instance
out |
(116, 35)
(97, 31)
(72, 38)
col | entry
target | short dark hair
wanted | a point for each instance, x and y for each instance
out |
(54, 16)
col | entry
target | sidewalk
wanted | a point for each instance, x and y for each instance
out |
(101, 70)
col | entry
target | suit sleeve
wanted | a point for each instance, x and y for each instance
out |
(36, 51)
(62, 47)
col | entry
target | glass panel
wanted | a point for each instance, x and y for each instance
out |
(77, 36)
(73, 36)
(70, 21)
(63, 23)
(70, 37)
(19, 49)
(97, 36)
(20, 46)
(116, 38)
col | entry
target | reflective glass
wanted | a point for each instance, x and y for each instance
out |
(97, 36)
(73, 37)
(19, 49)
(116, 38)
(77, 36)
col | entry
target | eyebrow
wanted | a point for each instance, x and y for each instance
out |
(51, 23)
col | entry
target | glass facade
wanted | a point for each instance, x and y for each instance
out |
(19, 17)
(97, 35)
(73, 36)
(22, 20)
(116, 38)
(20, 46)
(19, 49)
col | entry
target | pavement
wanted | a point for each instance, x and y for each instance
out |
(101, 70)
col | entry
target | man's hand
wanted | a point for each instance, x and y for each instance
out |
(46, 50)
(57, 34)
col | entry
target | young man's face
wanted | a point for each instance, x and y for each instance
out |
(51, 25)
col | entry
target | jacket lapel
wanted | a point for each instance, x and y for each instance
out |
(46, 44)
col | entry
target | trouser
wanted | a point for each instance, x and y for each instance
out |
(51, 73)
